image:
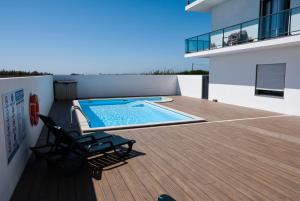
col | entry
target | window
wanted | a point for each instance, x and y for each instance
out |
(271, 24)
(270, 79)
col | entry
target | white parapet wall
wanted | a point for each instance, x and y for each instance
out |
(190, 85)
(101, 86)
(12, 171)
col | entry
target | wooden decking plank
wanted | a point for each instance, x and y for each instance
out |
(136, 187)
(103, 190)
(214, 111)
(25, 182)
(268, 138)
(170, 184)
(118, 186)
(233, 140)
(288, 125)
(271, 171)
(195, 157)
(174, 150)
(236, 138)
(195, 176)
(150, 183)
(248, 177)
(180, 179)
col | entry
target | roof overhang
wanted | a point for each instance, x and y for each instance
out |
(203, 5)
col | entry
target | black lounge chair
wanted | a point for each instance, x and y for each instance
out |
(59, 132)
(61, 138)
(84, 146)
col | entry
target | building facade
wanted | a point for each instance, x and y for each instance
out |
(254, 52)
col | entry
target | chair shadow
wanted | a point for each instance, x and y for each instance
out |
(108, 161)
(44, 181)
(40, 181)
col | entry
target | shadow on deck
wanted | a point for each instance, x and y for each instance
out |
(43, 181)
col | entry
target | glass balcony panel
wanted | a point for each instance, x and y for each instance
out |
(266, 27)
(203, 42)
(191, 45)
(282, 26)
(275, 25)
(232, 35)
(216, 39)
(295, 21)
(250, 31)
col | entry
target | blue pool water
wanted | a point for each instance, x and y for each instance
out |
(125, 112)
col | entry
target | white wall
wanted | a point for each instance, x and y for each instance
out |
(190, 85)
(232, 79)
(234, 12)
(93, 86)
(43, 87)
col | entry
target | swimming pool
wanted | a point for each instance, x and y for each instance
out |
(118, 113)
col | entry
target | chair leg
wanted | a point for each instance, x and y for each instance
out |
(123, 154)
(130, 145)
(96, 172)
(37, 150)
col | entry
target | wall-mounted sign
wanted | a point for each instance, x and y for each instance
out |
(14, 121)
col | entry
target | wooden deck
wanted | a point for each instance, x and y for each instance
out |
(253, 155)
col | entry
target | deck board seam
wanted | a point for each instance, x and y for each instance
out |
(221, 161)
(214, 176)
(176, 170)
(157, 165)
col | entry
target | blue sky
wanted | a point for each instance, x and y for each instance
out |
(97, 36)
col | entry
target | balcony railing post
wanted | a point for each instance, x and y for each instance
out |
(197, 43)
(223, 38)
(241, 34)
(290, 22)
(209, 40)
(259, 28)
(187, 46)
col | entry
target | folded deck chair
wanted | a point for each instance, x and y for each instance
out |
(91, 144)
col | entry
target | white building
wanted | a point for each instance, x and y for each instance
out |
(254, 52)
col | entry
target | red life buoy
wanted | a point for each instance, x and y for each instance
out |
(34, 109)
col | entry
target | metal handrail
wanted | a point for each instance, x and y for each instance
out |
(72, 109)
(260, 21)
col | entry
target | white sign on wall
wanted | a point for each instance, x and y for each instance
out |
(14, 121)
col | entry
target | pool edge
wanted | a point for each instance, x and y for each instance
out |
(85, 128)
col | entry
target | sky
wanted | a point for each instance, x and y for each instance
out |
(97, 36)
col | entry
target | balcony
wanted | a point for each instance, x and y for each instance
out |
(278, 25)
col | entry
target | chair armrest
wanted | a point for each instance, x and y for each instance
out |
(98, 143)
(74, 131)
(93, 137)
(86, 137)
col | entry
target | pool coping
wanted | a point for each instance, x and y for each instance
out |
(85, 128)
